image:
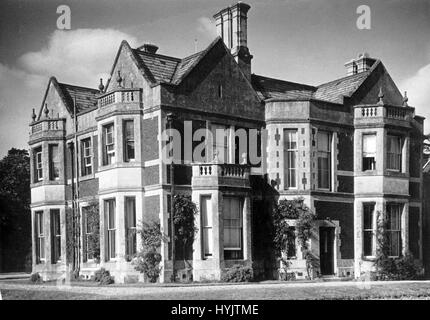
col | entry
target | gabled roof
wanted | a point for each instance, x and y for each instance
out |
(333, 91)
(85, 97)
(157, 68)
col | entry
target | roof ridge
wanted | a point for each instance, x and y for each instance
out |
(344, 78)
(76, 86)
(157, 55)
(286, 81)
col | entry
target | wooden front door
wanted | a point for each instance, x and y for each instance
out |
(327, 250)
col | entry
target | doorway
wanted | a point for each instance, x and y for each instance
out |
(327, 250)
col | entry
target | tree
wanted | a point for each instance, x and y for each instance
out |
(15, 218)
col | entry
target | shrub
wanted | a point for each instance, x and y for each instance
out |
(238, 273)
(403, 268)
(103, 277)
(148, 263)
(35, 278)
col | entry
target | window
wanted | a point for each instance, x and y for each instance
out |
(290, 158)
(111, 229)
(394, 213)
(324, 163)
(54, 162)
(88, 232)
(368, 229)
(130, 225)
(40, 237)
(220, 142)
(232, 228)
(87, 157)
(129, 141)
(206, 216)
(394, 153)
(38, 169)
(369, 152)
(55, 236)
(108, 144)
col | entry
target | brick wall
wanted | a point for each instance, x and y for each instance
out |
(344, 213)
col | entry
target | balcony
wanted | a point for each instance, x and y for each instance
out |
(383, 114)
(214, 175)
(119, 100)
(47, 129)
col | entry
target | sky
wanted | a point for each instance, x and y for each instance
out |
(306, 41)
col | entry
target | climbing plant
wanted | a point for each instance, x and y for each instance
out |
(185, 230)
(92, 220)
(387, 267)
(148, 258)
(284, 234)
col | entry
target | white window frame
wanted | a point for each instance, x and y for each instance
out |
(367, 154)
(130, 228)
(290, 150)
(109, 143)
(239, 228)
(393, 155)
(54, 163)
(111, 246)
(128, 140)
(326, 154)
(39, 164)
(54, 213)
(206, 226)
(398, 208)
(40, 237)
(87, 156)
(372, 228)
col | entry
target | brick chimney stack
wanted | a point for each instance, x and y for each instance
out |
(231, 25)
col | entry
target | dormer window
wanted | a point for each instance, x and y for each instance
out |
(369, 152)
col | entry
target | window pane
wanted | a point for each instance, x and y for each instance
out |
(368, 243)
(369, 145)
(206, 211)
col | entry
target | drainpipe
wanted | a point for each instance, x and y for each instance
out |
(169, 118)
(76, 195)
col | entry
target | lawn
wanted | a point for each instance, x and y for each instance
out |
(255, 291)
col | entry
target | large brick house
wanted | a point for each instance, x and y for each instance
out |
(350, 148)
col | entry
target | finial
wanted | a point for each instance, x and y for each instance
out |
(101, 86)
(46, 110)
(119, 79)
(381, 96)
(33, 115)
(405, 99)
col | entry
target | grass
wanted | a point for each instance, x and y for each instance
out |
(22, 289)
